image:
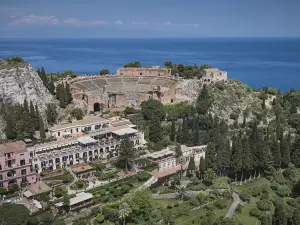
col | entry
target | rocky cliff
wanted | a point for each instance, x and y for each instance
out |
(19, 81)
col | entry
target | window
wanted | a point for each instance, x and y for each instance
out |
(58, 134)
(1, 177)
(22, 154)
(22, 162)
(141, 73)
(76, 129)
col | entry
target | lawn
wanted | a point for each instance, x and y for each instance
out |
(252, 184)
(244, 217)
(63, 177)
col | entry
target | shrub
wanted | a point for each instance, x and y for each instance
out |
(209, 207)
(99, 219)
(169, 206)
(274, 186)
(255, 213)
(265, 188)
(95, 210)
(239, 208)
(143, 176)
(59, 192)
(245, 196)
(264, 205)
(193, 201)
(256, 191)
(125, 188)
(283, 191)
(221, 204)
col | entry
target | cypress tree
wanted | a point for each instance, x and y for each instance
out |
(185, 131)
(173, 131)
(68, 97)
(179, 135)
(62, 102)
(247, 158)
(296, 152)
(57, 91)
(25, 105)
(9, 129)
(211, 157)
(196, 133)
(155, 129)
(204, 100)
(51, 86)
(285, 150)
(37, 113)
(192, 165)
(202, 167)
(51, 114)
(237, 152)
(44, 77)
(42, 128)
(275, 149)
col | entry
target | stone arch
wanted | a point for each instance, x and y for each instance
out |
(97, 107)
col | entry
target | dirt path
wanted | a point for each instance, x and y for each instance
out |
(235, 203)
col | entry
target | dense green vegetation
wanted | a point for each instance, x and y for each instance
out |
(63, 94)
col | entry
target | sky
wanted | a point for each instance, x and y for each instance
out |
(149, 18)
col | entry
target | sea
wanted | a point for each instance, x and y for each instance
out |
(258, 62)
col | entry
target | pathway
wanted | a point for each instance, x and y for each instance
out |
(233, 206)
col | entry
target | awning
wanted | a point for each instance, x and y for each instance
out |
(27, 194)
(86, 140)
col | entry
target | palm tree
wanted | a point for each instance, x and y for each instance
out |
(181, 191)
(124, 212)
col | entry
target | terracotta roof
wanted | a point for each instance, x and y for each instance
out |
(15, 147)
(39, 188)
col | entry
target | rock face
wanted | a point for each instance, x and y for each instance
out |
(188, 90)
(20, 82)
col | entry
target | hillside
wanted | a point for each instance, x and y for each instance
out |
(18, 80)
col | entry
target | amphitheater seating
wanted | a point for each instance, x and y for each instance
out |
(100, 82)
(145, 80)
(131, 96)
(114, 80)
(142, 87)
(80, 86)
(89, 84)
(159, 82)
(129, 87)
(130, 79)
(115, 87)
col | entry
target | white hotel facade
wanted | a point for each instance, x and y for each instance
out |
(73, 146)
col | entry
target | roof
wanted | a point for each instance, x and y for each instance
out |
(80, 197)
(15, 147)
(124, 131)
(27, 194)
(85, 121)
(160, 154)
(212, 70)
(39, 188)
(86, 140)
(186, 148)
(82, 168)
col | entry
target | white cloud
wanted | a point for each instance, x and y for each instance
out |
(191, 24)
(35, 20)
(119, 22)
(139, 23)
(77, 22)
(168, 23)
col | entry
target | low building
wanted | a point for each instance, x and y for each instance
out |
(81, 199)
(103, 143)
(37, 189)
(165, 159)
(213, 75)
(15, 166)
(83, 171)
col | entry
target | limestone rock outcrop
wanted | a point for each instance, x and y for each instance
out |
(188, 90)
(20, 82)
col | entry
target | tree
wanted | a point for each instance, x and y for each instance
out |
(285, 150)
(51, 85)
(44, 77)
(173, 131)
(201, 167)
(42, 128)
(13, 214)
(126, 150)
(181, 161)
(124, 212)
(167, 217)
(296, 152)
(68, 94)
(153, 107)
(155, 129)
(185, 131)
(62, 95)
(168, 64)
(209, 176)
(211, 157)
(179, 134)
(104, 72)
(247, 158)
(204, 101)
(77, 113)
(237, 152)
(141, 204)
(192, 165)
(196, 133)
(51, 113)
(57, 91)
(181, 190)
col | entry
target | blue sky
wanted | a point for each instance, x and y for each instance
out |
(149, 18)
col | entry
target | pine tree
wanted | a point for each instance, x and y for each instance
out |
(185, 131)
(155, 129)
(296, 152)
(211, 157)
(62, 102)
(173, 131)
(68, 94)
(42, 128)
